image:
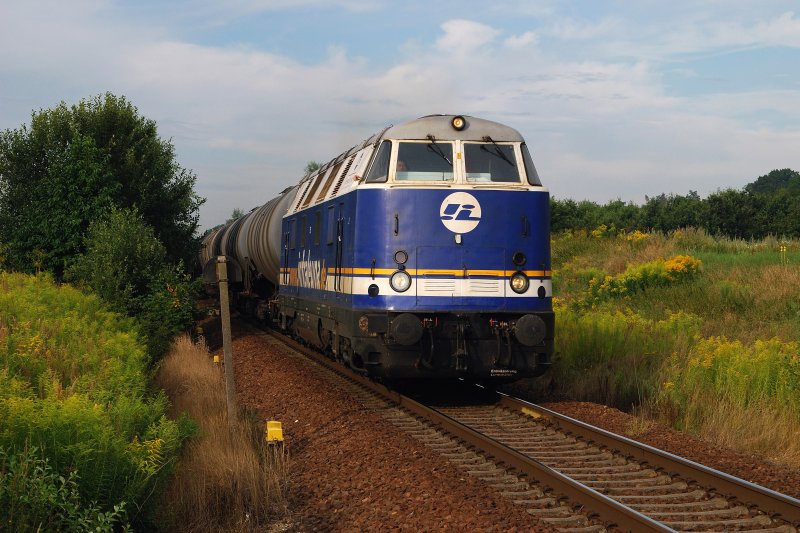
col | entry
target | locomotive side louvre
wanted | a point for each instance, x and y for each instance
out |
(436, 269)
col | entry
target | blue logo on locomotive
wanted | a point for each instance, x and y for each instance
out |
(460, 212)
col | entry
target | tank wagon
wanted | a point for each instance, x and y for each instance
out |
(423, 252)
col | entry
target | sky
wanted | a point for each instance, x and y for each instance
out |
(616, 99)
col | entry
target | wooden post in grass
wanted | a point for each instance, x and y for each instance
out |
(225, 315)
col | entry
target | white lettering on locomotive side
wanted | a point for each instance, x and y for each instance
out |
(311, 274)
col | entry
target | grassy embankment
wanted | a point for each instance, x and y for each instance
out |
(228, 479)
(86, 442)
(700, 332)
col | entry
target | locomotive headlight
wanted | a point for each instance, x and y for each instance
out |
(458, 123)
(519, 282)
(400, 281)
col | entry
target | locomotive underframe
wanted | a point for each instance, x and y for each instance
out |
(478, 345)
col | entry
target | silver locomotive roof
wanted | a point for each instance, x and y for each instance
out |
(440, 127)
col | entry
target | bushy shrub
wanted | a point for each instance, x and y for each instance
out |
(126, 265)
(35, 498)
(639, 277)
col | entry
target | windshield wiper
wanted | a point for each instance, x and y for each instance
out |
(497, 151)
(433, 147)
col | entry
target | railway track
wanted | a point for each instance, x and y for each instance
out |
(574, 476)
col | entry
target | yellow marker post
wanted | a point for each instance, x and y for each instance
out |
(274, 432)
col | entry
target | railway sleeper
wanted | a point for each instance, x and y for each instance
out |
(715, 514)
(527, 439)
(633, 476)
(677, 497)
(597, 528)
(633, 490)
(729, 525)
(467, 462)
(464, 455)
(574, 520)
(636, 484)
(443, 446)
(597, 469)
(779, 529)
(424, 433)
(436, 440)
(541, 502)
(532, 493)
(571, 447)
(515, 486)
(493, 480)
(560, 511)
(578, 456)
(484, 467)
(702, 505)
(593, 460)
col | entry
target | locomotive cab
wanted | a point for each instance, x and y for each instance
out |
(457, 224)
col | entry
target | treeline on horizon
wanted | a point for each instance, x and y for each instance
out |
(768, 206)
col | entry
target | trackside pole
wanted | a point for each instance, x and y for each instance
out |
(225, 314)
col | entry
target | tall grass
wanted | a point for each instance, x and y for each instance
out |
(614, 357)
(228, 478)
(703, 332)
(73, 385)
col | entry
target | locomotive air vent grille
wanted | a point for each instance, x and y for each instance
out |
(341, 178)
(302, 196)
(438, 285)
(329, 178)
(485, 286)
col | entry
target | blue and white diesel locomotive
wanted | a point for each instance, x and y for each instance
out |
(423, 252)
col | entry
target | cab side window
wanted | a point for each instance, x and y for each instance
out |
(379, 171)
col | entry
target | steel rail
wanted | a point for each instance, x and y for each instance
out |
(773, 503)
(593, 503)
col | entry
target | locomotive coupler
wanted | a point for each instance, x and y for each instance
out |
(460, 355)
(426, 360)
(502, 332)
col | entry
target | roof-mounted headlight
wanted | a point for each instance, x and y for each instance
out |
(458, 123)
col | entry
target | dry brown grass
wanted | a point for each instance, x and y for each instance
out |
(760, 430)
(227, 479)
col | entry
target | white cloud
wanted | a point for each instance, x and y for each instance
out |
(462, 36)
(522, 40)
(248, 120)
(571, 29)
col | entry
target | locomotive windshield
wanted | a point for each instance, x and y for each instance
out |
(490, 162)
(424, 161)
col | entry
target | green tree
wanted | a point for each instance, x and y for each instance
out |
(125, 264)
(235, 215)
(73, 163)
(776, 180)
(311, 167)
(734, 213)
(671, 212)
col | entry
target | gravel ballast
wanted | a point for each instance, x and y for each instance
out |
(352, 470)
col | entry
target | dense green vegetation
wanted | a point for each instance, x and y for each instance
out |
(768, 206)
(126, 265)
(82, 438)
(701, 331)
(71, 165)
(91, 195)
